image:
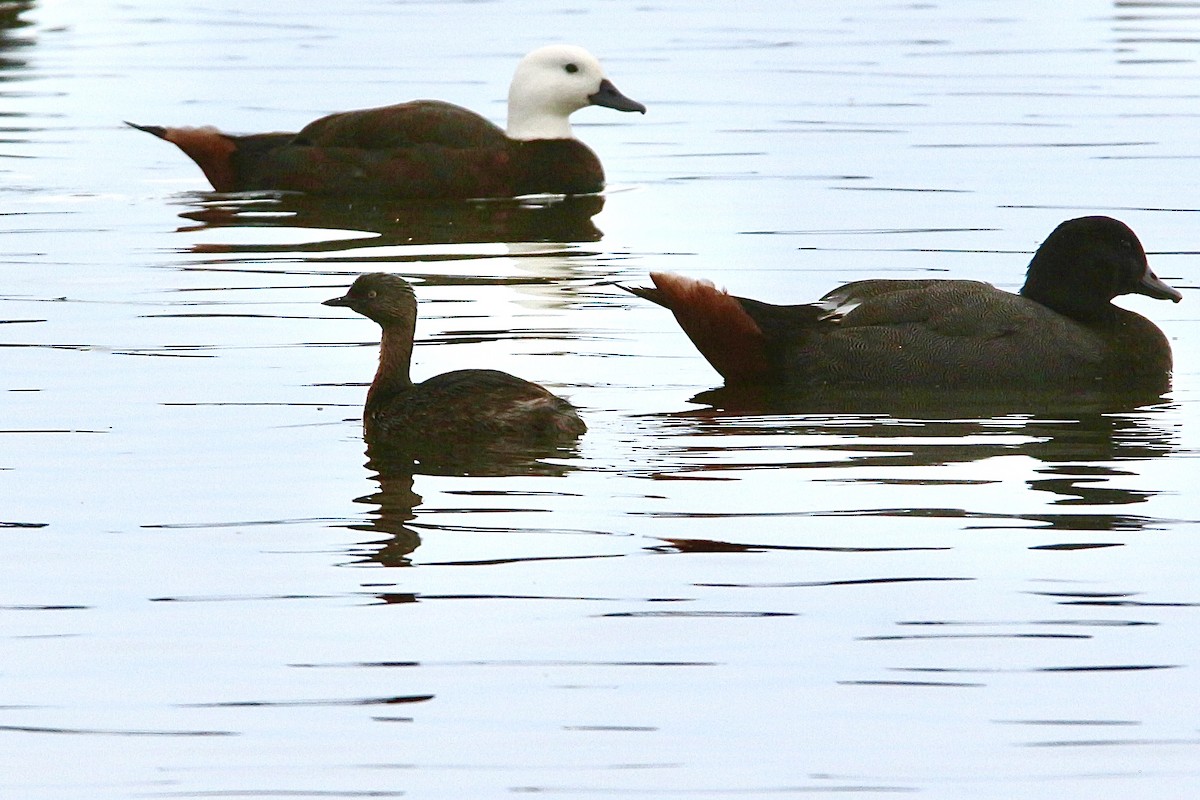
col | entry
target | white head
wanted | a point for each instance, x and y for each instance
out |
(553, 82)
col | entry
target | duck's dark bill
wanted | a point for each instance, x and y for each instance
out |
(609, 96)
(1152, 286)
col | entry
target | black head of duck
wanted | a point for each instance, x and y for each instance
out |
(1087, 262)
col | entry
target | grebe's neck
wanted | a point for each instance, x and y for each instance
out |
(395, 358)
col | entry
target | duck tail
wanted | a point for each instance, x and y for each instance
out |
(153, 130)
(208, 147)
(716, 322)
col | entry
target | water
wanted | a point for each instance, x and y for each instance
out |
(208, 591)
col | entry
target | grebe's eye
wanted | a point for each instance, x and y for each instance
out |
(571, 69)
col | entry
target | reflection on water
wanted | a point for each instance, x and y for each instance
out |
(15, 37)
(497, 459)
(392, 510)
(14, 34)
(204, 587)
(929, 430)
(397, 223)
(1079, 443)
(394, 470)
(528, 243)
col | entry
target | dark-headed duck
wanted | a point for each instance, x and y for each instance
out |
(459, 407)
(1060, 330)
(427, 149)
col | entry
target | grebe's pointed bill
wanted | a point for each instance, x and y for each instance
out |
(609, 96)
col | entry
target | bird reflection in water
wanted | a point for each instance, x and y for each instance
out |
(550, 219)
(12, 37)
(1079, 441)
(392, 510)
(395, 471)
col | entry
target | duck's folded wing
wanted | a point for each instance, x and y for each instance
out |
(953, 308)
(410, 124)
(950, 333)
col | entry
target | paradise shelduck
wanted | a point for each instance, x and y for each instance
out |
(460, 407)
(427, 149)
(1060, 330)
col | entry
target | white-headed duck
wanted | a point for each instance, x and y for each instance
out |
(427, 149)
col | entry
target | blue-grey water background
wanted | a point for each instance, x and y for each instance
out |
(207, 591)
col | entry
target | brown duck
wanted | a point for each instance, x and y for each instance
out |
(427, 149)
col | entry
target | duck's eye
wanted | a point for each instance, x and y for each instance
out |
(371, 294)
(571, 69)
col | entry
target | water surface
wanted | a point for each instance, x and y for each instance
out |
(209, 590)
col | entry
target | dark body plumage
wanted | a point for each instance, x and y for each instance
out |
(417, 150)
(454, 408)
(1060, 331)
(471, 404)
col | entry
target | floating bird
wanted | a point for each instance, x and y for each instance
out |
(1060, 330)
(426, 149)
(460, 407)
